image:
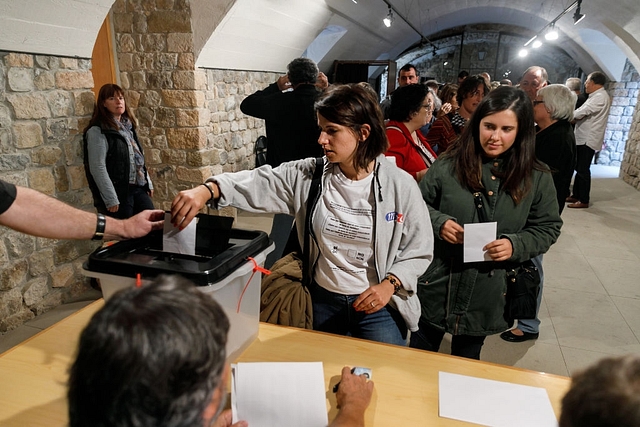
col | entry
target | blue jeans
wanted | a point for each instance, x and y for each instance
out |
(334, 313)
(532, 326)
(429, 338)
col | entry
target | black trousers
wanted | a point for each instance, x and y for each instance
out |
(429, 338)
(582, 181)
(137, 201)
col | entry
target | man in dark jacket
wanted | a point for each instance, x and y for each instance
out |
(292, 128)
(290, 119)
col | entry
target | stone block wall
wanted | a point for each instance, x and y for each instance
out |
(231, 134)
(190, 123)
(45, 103)
(630, 165)
(624, 100)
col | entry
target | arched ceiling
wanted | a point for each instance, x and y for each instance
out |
(267, 34)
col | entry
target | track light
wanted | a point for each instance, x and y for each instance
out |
(523, 53)
(552, 34)
(389, 18)
(577, 16)
(549, 30)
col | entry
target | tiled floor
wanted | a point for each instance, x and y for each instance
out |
(591, 302)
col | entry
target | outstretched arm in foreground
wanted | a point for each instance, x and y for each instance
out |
(354, 396)
(40, 215)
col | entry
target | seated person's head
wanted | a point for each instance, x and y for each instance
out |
(152, 356)
(605, 395)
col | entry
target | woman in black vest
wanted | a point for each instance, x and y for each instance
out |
(113, 158)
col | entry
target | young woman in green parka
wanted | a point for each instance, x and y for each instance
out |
(494, 156)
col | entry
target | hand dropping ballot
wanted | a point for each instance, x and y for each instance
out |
(476, 237)
(179, 241)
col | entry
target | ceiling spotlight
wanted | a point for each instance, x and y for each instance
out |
(552, 34)
(523, 53)
(577, 16)
(355, 1)
(536, 44)
(446, 63)
(389, 18)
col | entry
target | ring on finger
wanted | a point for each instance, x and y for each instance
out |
(373, 305)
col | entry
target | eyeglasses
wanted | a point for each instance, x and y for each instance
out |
(428, 107)
(537, 102)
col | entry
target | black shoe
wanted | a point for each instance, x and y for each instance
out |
(511, 337)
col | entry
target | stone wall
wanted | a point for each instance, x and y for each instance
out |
(479, 49)
(45, 102)
(630, 165)
(190, 122)
(624, 99)
(230, 133)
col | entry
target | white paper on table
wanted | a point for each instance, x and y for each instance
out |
(476, 236)
(494, 403)
(176, 241)
(279, 394)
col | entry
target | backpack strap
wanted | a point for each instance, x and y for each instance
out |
(314, 190)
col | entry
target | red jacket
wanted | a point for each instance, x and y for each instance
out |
(409, 155)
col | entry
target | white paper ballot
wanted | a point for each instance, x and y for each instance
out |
(279, 394)
(176, 241)
(494, 403)
(476, 236)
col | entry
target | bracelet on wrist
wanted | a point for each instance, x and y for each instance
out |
(395, 282)
(206, 184)
(101, 224)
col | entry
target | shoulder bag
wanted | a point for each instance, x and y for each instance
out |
(285, 298)
(523, 282)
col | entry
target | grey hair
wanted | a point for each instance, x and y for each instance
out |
(302, 70)
(574, 83)
(559, 100)
(544, 76)
(437, 103)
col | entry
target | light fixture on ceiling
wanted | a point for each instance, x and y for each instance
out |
(549, 30)
(389, 18)
(355, 1)
(523, 53)
(446, 63)
(577, 16)
(552, 33)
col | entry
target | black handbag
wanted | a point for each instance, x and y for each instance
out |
(523, 286)
(523, 283)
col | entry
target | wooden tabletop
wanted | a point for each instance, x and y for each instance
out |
(33, 374)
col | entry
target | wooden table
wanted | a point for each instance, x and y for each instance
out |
(33, 374)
